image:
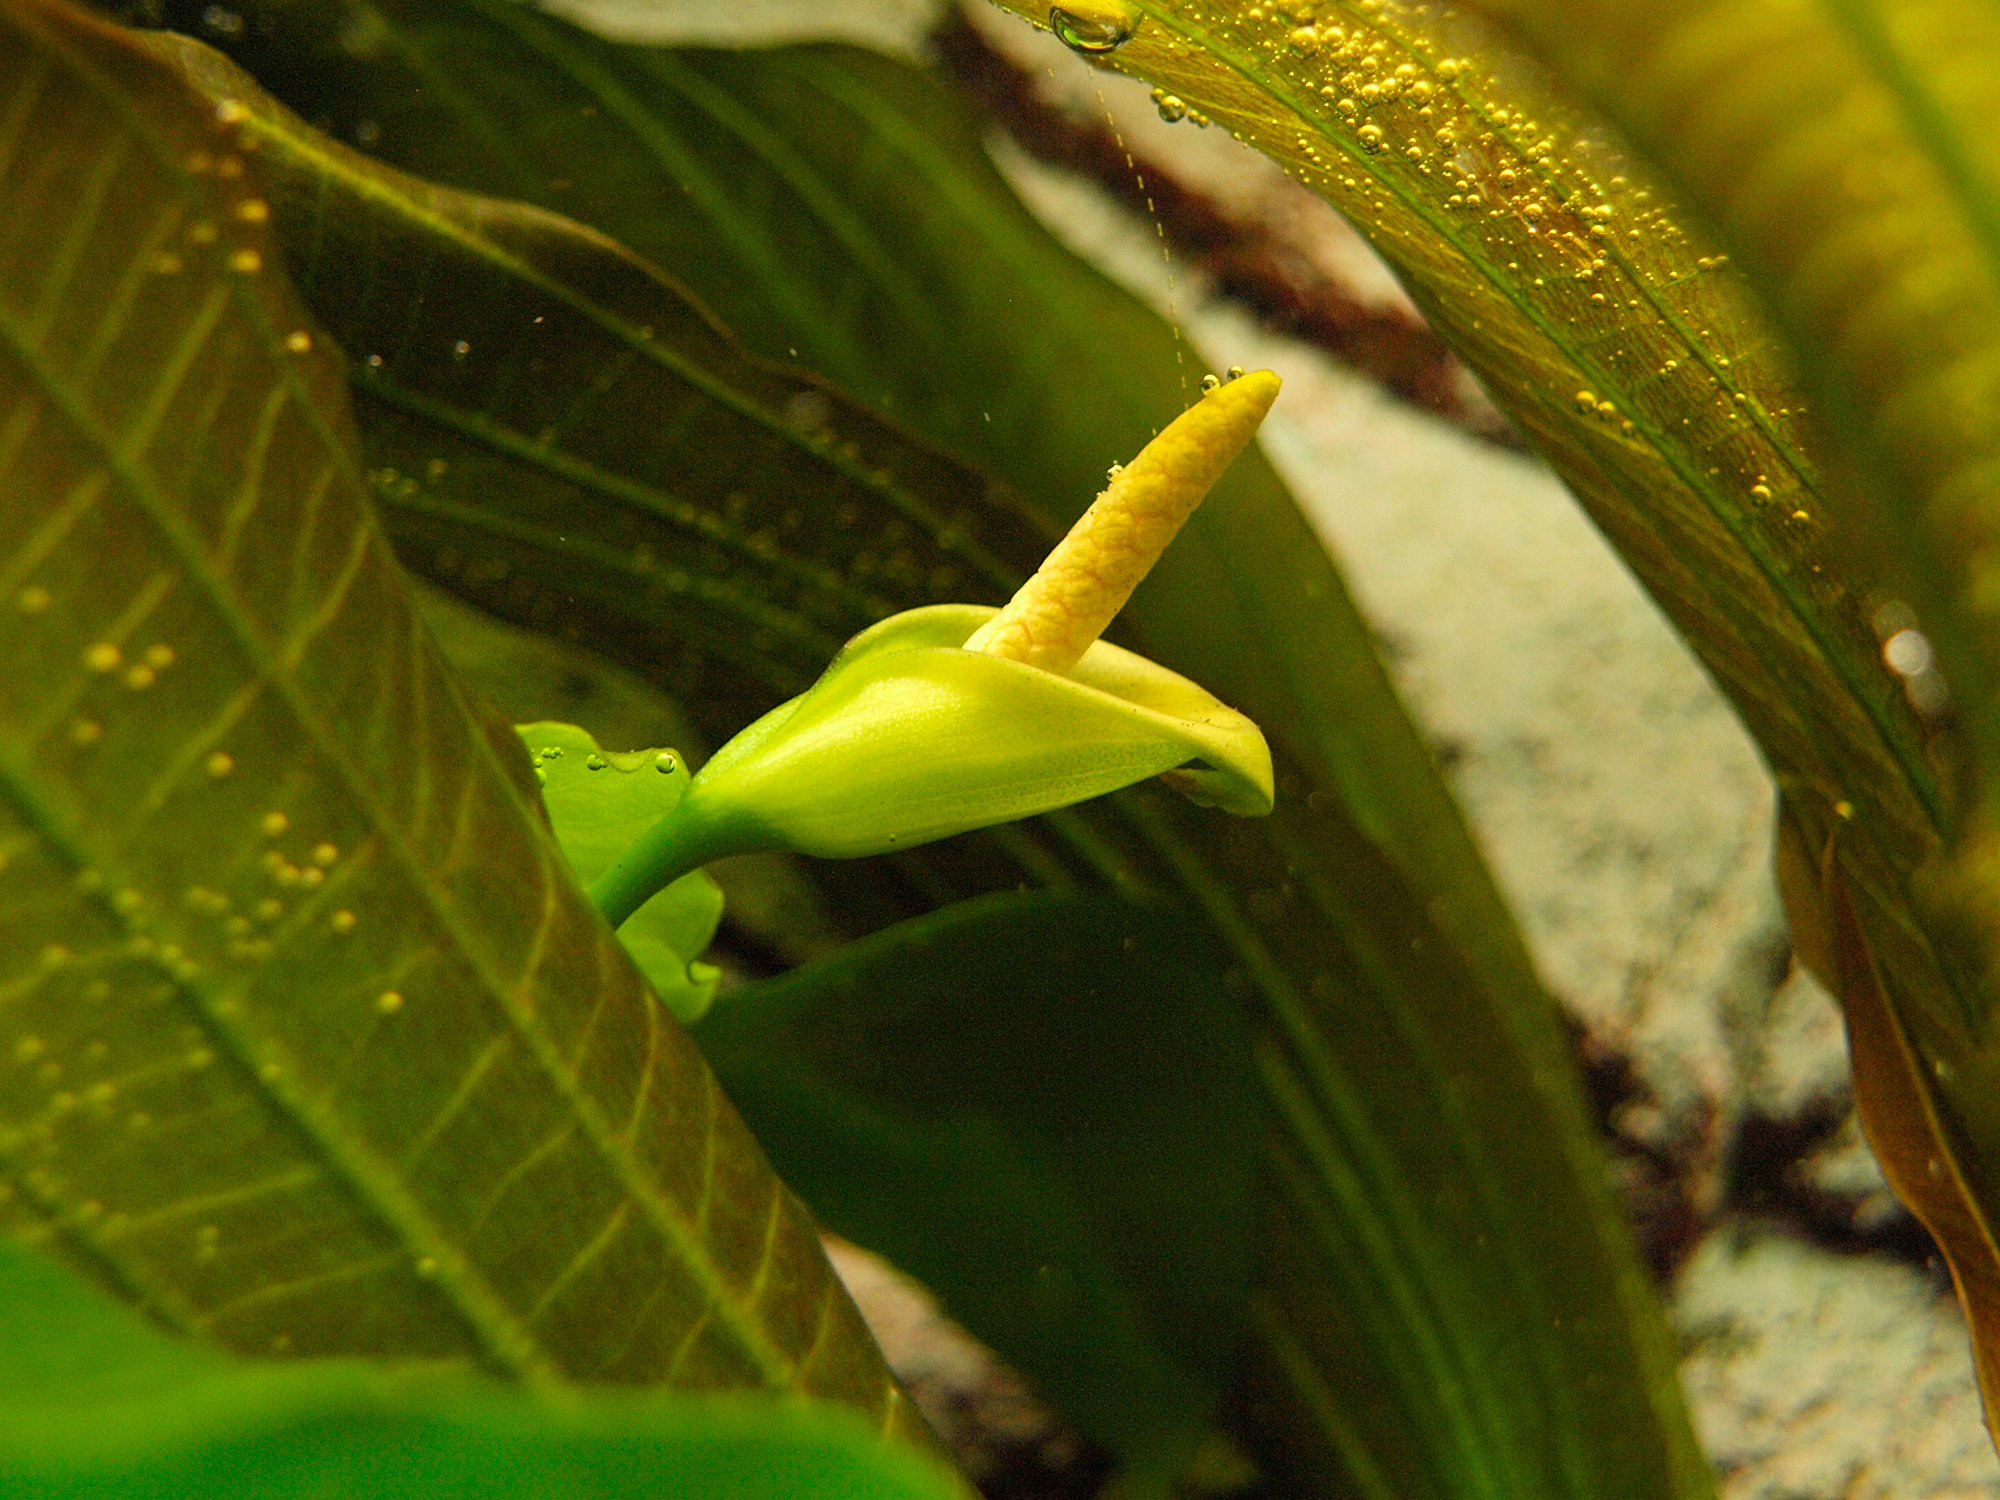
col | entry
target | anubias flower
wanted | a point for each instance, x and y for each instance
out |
(960, 716)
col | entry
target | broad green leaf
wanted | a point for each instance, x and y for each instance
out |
(1448, 1303)
(93, 1403)
(599, 803)
(1846, 153)
(1072, 1166)
(311, 1045)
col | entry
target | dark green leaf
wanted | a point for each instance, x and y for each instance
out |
(310, 1044)
(95, 1404)
(1552, 265)
(1060, 1140)
(558, 432)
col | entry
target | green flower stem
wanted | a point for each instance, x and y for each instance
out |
(679, 844)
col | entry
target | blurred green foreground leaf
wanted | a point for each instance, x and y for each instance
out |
(94, 1405)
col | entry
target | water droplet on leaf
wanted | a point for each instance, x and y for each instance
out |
(1094, 28)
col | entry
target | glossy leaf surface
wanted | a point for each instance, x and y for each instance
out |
(311, 1044)
(554, 408)
(599, 803)
(1061, 1140)
(1428, 1115)
(94, 1405)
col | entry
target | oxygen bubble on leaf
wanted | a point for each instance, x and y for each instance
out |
(1094, 28)
(1908, 652)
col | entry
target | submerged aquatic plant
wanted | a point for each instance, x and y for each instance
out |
(954, 717)
(1254, 1142)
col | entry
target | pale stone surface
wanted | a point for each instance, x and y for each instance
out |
(1816, 1375)
(894, 26)
(1798, 1057)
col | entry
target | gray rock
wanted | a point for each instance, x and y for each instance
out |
(1816, 1376)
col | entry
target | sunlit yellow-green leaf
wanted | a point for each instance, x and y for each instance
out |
(310, 1044)
(1845, 151)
